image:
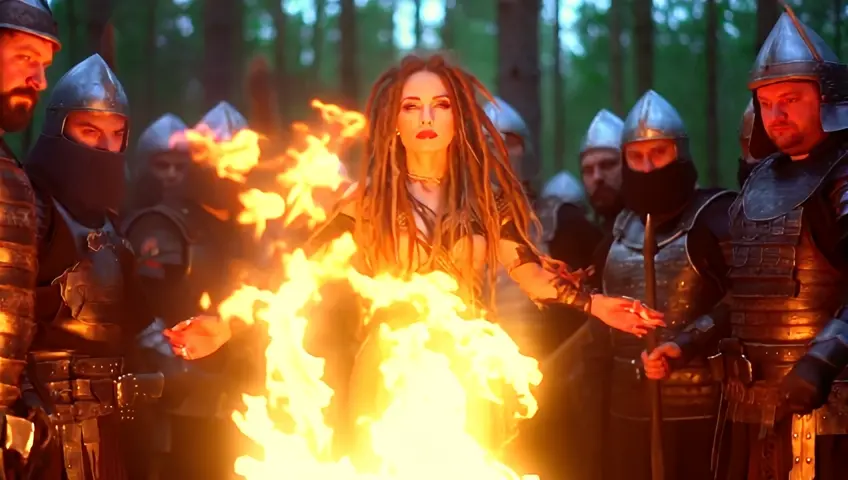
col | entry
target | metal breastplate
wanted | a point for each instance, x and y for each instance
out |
(682, 294)
(784, 290)
(93, 288)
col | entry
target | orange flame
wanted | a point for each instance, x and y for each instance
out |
(424, 382)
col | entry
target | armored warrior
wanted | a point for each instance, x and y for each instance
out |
(785, 338)
(600, 167)
(515, 134)
(86, 309)
(186, 251)
(28, 41)
(658, 178)
(746, 161)
(160, 163)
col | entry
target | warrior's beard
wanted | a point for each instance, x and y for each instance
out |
(14, 114)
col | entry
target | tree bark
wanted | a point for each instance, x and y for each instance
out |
(518, 70)
(712, 94)
(97, 18)
(419, 28)
(768, 11)
(449, 27)
(281, 78)
(348, 68)
(644, 44)
(616, 58)
(559, 94)
(222, 41)
(318, 39)
(837, 27)
(150, 33)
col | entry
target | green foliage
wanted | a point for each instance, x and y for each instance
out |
(169, 78)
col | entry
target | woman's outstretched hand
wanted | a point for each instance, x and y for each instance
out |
(626, 314)
(198, 337)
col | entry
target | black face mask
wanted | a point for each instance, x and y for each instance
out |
(86, 181)
(659, 192)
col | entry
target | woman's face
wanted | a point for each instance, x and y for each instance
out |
(425, 121)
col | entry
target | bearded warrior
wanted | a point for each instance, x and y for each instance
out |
(185, 253)
(783, 361)
(659, 179)
(27, 28)
(87, 307)
(600, 167)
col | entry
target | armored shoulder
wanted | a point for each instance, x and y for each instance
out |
(18, 220)
(18, 270)
(713, 210)
(837, 191)
(160, 241)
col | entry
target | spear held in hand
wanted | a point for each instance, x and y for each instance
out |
(649, 250)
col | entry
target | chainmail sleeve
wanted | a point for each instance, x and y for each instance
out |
(18, 269)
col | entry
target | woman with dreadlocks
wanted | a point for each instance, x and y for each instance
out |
(437, 193)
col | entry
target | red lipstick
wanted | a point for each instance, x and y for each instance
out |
(426, 135)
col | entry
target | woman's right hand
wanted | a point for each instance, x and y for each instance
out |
(656, 363)
(198, 337)
(626, 314)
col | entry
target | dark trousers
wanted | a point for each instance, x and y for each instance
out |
(201, 449)
(750, 457)
(687, 449)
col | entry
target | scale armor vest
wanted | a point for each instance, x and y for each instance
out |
(683, 294)
(92, 292)
(784, 289)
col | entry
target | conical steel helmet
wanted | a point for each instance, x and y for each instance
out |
(224, 120)
(30, 16)
(604, 132)
(654, 118)
(158, 138)
(793, 51)
(91, 86)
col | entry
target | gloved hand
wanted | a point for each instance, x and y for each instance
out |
(807, 386)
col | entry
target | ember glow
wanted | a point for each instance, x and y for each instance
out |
(437, 395)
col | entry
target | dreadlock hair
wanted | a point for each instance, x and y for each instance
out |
(480, 188)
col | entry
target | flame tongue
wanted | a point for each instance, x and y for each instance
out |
(435, 395)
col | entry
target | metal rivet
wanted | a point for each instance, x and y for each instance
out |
(797, 459)
(809, 436)
(794, 435)
(809, 460)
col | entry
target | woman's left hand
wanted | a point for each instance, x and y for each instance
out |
(626, 314)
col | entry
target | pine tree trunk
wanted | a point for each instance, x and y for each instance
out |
(518, 71)
(644, 44)
(348, 68)
(559, 94)
(712, 94)
(616, 58)
(222, 41)
(768, 11)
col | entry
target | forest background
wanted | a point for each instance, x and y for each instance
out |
(557, 61)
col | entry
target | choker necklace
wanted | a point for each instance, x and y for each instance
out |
(423, 178)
